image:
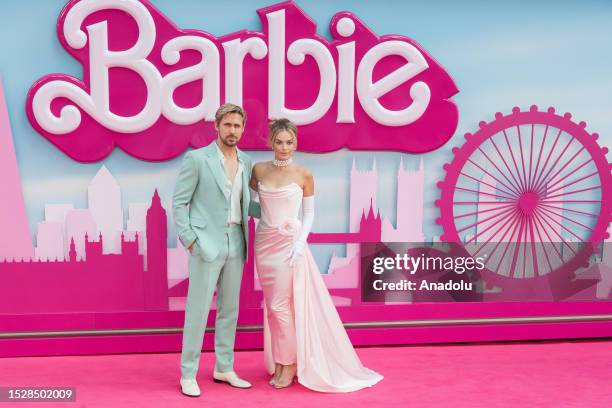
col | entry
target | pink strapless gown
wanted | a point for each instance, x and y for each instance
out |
(301, 324)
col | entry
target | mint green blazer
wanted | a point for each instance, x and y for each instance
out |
(199, 204)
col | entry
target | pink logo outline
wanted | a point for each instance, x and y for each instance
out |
(380, 89)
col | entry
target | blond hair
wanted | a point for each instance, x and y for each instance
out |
(227, 109)
(280, 125)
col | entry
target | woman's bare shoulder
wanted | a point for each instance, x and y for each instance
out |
(304, 172)
(304, 175)
(261, 166)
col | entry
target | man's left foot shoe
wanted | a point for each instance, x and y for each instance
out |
(231, 378)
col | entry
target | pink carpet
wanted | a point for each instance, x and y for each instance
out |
(534, 374)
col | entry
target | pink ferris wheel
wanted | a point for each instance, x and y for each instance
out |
(530, 191)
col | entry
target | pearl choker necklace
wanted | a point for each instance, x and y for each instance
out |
(282, 163)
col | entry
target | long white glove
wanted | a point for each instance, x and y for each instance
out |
(297, 251)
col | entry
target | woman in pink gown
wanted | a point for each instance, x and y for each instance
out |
(303, 334)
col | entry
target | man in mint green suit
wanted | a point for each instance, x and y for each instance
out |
(211, 206)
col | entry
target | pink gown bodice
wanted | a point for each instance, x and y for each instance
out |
(279, 205)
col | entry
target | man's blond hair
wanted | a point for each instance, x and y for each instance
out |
(227, 109)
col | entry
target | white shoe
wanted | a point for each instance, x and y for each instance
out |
(189, 386)
(230, 378)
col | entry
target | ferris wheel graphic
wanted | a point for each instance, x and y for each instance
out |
(530, 191)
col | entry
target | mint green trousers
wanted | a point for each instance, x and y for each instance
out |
(224, 274)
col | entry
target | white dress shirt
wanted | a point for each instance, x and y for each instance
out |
(232, 189)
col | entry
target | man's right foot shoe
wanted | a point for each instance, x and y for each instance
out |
(189, 387)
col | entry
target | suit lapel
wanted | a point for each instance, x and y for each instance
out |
(246, 195)
(245, 182)
(216, 168)
(244, 159)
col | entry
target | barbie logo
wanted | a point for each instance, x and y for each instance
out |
(151, 88)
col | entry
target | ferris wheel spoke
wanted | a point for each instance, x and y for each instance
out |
(543, 169)
(479, 234)
(550, 241)
(543, 214)
(516, 188)
(518, 129)
(569, 209)
(545, 182)
(541, 219)
(501, 214)
(571, 192)
(514, 196)
(519, 241)
(560, 179)
(533, 249)
(535, 172)
(535, 262)
(484, 211)
(516, 185)
(524, 245)
(516, 224)
(518, 174)
(573, 182)
(530, 157)
(542, 243)
(492, 176)
(566, 218)
(559, 156)
(512, 216)
(568, 201)
(469, 190)
(550, 267)
(476, 202)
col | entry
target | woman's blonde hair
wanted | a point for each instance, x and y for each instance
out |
(280, 125)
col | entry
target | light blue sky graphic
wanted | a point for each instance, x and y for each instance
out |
(500, 54)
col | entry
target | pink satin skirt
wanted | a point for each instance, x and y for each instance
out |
(301, 324)
(276, 278)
